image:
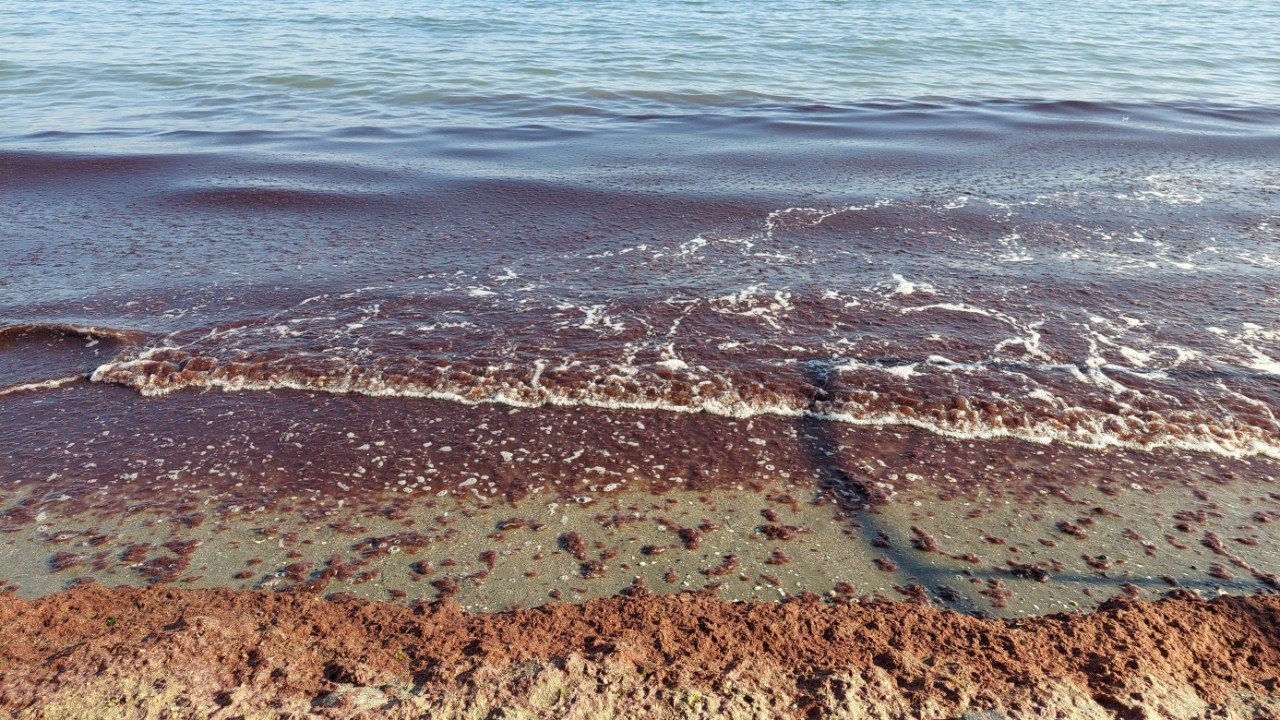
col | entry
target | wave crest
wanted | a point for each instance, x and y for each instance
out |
(811, 391)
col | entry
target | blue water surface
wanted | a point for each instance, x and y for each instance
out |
(79, 66)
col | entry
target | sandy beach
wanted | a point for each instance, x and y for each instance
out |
(1137, 593)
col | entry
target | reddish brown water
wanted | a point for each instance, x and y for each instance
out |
(889, 301)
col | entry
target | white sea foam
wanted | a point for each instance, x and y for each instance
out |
(1250, 336)
(595, 317)
(1045, 396)
(1089, 428)
(1171, 190)
(906, 287)
(749, 302)
(40, 385)
(954, 307)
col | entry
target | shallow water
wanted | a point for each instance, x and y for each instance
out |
(1089, 274)
(347, 253)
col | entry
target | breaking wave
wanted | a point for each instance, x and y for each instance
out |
(815, 390)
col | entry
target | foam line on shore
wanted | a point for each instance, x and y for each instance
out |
(1040, 432)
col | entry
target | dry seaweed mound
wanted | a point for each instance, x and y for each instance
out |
(156, 652)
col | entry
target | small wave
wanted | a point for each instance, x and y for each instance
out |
(41, 356)
(30, 331)
(266, 199)
(40, 385)
(23, 169)
(158, 373)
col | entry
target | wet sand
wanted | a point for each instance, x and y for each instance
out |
(741, 545)
(758, 510)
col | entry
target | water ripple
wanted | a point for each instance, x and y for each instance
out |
(81, 66)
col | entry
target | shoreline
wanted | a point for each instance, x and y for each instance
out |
(989, 555)
(757, 511)
(130, 652)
